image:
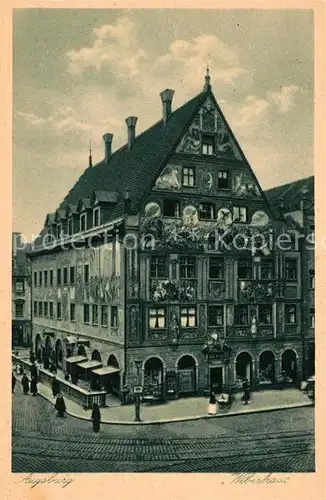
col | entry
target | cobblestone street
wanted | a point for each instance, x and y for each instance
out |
(280, 441)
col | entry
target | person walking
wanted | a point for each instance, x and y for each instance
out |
(34, 386)
(60, 405)
(212, 404)
(25, 384)
(55, 386)
(34, 373)
(13, 382)
(96, 417)
(246, 392)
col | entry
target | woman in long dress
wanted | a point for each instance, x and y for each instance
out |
(34, 386)
(25, 384)
(96, 417)
(60, 406)
(212, 404)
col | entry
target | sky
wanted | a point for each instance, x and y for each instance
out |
(78, 73)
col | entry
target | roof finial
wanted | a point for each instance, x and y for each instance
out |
(207, 79)
(90, 162)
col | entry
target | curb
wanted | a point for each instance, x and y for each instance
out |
(187, 419)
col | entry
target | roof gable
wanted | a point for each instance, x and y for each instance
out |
(287, 196)
(104, 197)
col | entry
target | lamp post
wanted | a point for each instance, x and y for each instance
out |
(138, 363)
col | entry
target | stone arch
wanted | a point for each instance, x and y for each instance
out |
(151, 357)
(244, 366)
(267, 366)
(112, 361)
(289, 363)
(96, 355)
(187, 367)
(153, 375)
(81, 351)
(186, 354)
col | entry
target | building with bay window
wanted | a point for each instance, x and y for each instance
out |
(165, 252)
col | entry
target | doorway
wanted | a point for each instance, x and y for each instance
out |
(216, 379)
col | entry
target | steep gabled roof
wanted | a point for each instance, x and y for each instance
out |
(288, 196)
(71, 209)
(105, 196)
(136, 169)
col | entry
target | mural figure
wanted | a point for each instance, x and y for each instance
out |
(190, 215)
(260, 219)
(169, 179)
(207, 181)
(208, 118)
(224, 218)
(244, 186)
(191, 141)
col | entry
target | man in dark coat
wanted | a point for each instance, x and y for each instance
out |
(25, 383)
(32, 357)
(34, 386)
(34, 373)
(246, 392)
(96, 417)
(13, 382)
(60, 405)
(55, 386)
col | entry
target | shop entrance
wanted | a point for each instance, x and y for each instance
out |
(216, 379)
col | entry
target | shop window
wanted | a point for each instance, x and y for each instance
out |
(157, 317)
(215, 316)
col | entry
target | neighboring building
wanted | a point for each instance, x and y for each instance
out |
(295, 201)
(21, 294)
(135, 272)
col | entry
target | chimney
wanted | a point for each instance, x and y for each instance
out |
(131, 124)
(167, 96)
(107, 138)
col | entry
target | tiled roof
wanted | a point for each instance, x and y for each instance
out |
(106, 196)
(291, 194)
(137, 168)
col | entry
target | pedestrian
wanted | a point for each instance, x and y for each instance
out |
(212, 404)
(34, 386)
(25, 384)
(246, 392)
(96, 417)
(13, 382)
(55, 386)
(60, 405)
(32, 356)
(34, 373)
(67, 377)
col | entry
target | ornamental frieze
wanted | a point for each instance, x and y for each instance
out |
(216, 290)
(181, 291)
(250, 291)
(133, 318)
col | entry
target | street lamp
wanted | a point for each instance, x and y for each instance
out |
(137, 390)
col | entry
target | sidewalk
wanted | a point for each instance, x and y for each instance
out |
(184, 409)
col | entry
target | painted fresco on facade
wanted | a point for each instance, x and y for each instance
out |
(170, 178)
(244, 186)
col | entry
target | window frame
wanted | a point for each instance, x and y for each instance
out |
(239, 209)
(95, 314)
(177, 206)
(220, 179)
(187, 174)
(19, 304)
(114, 317)
(287, 268)
(157, 266)
(238, 314)
(86, 315)
(261, 313)
(211, 211)
(188, 316)
(103, 308)
(156, 317)
(97, 211)
(82, 218)
(59, 310)
(262, 268)
(210, 315)
(185, 266)
(221, 267)
(251, 267)
(208, 142)
(287, 314)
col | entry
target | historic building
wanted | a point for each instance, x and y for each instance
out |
(165, 253)
(294, 202)
(21, 294)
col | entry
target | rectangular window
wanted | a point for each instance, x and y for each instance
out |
(72, 312)
(59, 231)
(51, 309)
(265, 315)
(19, 309)
(241, 315)
(82, 222)
(58, 310)
(171, 208)
(86, 274)
(206, 211)
(51, 277)
(40, 276)
(267, 269)
(188, 317)
(245, 269)
(312, 279)
(86, 314)
(104, 315)
(46, 311)
(19, 286)
(35, 308)
(188, 267)
(45, 278)
(312, 318)
(157, 317)
(208, 145)
(35, 278)
(40, 309)
(215, 316)
(216, 268)
(58, 276)
(95, 314)
(291, 269)
(72, 275)
(70, 230)
(223, 180)
(290, 314)
(188, 176)
(65, 275)
(158, 267)
(114, 316)
(240, 214)
(96, 217)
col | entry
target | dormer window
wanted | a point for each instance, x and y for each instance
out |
(59, 230)
(208, 145)
(82, 222)
(96, 217)
(70, 229)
